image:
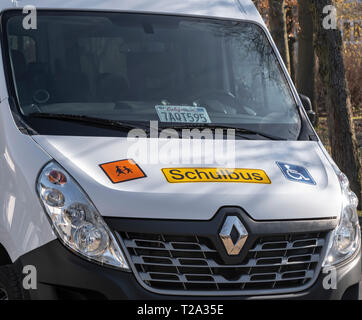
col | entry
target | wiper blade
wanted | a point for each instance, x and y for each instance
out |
(113, 124)
(119, 125)
(238, 130)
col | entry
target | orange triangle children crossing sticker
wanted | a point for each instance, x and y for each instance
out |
(122, 170)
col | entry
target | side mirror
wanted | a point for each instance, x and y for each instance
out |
(307, 104)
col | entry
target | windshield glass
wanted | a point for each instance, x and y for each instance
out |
(142, 67)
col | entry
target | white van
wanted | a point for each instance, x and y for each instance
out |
(82, 218)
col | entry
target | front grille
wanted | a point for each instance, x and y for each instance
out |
(191, 263)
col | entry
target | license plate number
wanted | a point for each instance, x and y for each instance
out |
(182, 114)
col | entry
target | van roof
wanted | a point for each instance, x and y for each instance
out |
(233, 9)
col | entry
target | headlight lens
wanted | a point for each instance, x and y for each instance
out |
(346, 238)
(75, 219)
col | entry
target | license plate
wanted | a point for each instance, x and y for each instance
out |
(182, 114)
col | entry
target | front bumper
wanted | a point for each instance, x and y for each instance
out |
(63, 275)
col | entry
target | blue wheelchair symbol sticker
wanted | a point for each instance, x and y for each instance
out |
(296, 173)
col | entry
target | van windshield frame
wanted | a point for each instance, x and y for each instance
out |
(222, 33)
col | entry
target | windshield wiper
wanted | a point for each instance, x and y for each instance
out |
(119, 125)
(113, 124)
(239, 131)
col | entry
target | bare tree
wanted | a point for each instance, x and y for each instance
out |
(306, 64)
(278, 28)
(329, 48)
(291, 25)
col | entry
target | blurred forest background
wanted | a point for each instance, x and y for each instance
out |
(325, 65)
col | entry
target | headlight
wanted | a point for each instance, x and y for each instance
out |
(75, 219)
(346, 238)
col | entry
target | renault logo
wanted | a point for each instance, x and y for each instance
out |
(233, 235)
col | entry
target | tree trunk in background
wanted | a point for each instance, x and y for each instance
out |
(305, 69)
(329, 48)
(291, 44)
(290, 21)
(278, 28)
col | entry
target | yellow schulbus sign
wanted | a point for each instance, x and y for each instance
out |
(189, 175)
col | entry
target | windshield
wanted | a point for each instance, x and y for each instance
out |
(143, 67)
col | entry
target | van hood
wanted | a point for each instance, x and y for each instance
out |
(154, 197)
